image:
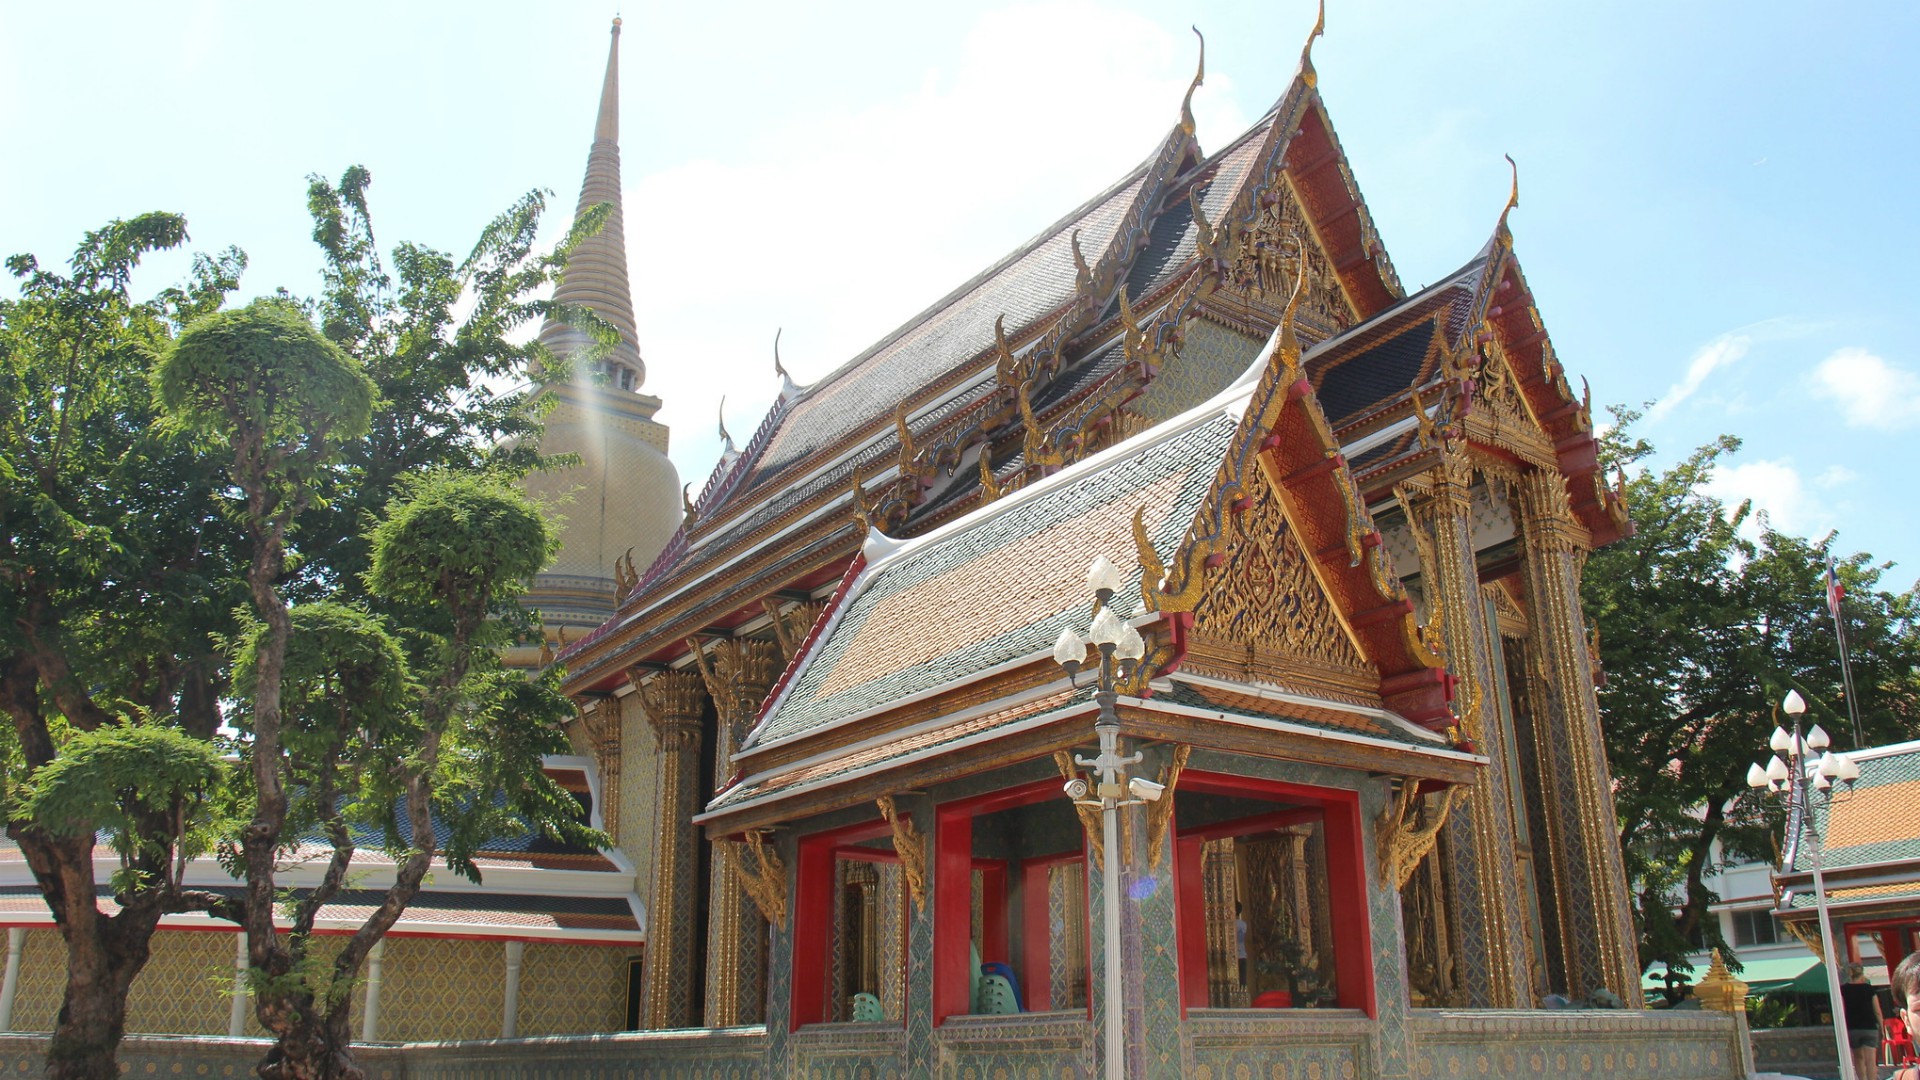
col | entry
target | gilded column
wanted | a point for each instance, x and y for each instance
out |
(602, 719)
(1593, 919)
(1494, 947)
(738, 673)
(673, 701)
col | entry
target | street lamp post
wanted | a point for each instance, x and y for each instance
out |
(1801, 778)
(1121, 648)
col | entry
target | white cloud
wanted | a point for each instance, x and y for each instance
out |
(1721, 352)
(1777, 489)
(843, 226)
(1871, 393)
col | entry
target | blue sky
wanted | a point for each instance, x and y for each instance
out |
(1716, 198)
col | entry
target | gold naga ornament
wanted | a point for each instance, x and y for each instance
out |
(911, 846)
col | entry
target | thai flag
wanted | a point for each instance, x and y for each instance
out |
(1836, 592)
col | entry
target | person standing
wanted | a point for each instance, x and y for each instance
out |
(1906, 995)
(1861, 1001)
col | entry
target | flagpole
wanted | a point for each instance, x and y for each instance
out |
(1836, 599)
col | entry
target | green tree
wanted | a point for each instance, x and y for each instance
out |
(127, 551)
(1702, 630)
(114, 597)
(397, 522)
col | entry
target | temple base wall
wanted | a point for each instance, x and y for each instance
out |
(1216, 1044)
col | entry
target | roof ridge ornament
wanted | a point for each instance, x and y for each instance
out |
(788, 388)
(1307, 74)
(1199, 76)
(1513, 197)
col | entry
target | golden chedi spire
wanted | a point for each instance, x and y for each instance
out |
(620, 505)
(596, 275)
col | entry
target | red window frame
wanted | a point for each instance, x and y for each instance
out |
(953, 898)
(1339, 812)
(813, 912)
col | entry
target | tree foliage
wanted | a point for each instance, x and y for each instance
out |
(192, 501)
(115, 593)
(1707, 616)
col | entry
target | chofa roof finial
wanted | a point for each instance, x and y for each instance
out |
(724, 436)
(1513, 197)
(1307, 74)
(1199, 76)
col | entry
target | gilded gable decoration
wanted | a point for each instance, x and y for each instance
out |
(1265, 592)
(1405, 831)
(911, 845)
(1271, 252)
(625, 577)
(1160, 813)
(765, 878)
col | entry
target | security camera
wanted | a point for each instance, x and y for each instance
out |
(1145, 790)
(1076, 789)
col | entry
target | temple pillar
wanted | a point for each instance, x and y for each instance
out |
(738, 672)
(1493, 946)
(601, 717)
(673, 702)
(1584, 882)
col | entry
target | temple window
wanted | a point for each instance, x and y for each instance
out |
(1010, 902)
(1270, 895)
(850, 928)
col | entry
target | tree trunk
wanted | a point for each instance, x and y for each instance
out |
(313, 1047)
(100, 970)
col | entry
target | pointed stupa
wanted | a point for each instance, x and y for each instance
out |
(621, 503)
(596, 274)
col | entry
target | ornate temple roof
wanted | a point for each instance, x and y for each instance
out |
(778, 512)
(1000, 584)
(1872, 852)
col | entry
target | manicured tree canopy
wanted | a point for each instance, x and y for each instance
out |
(461, 539)
(265, 367)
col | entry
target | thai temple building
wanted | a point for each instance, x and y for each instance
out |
(820, 710)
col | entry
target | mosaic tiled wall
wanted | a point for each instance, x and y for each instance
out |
(23, 1056)
(183, 990)
(1224, 1045)
(1600, 1044)
(638, 772)
(1801, 1051)
(442, 989)
(430, 989)
(572, 989)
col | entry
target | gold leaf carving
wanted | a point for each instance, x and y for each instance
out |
(765, 880)
(911, 845)
(1160, 814)
(1266, 591)
(1269, 257)
(1403, 838)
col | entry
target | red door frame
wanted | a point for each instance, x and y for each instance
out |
(813, 913)
(1339, 811)
(1036, 927)
(953, 891)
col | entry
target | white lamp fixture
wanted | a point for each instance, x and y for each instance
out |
(1756, 776)
(1794, 704)
(1107, 629)
(1777, 770)
(1780, 742)
(1817, 738)
(1069, 652)
(1132, 646)
(1103, 576)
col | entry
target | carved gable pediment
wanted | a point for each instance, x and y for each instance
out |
(1266, 263)
(1265, 613)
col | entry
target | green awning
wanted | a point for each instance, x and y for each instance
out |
(1803, 974)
